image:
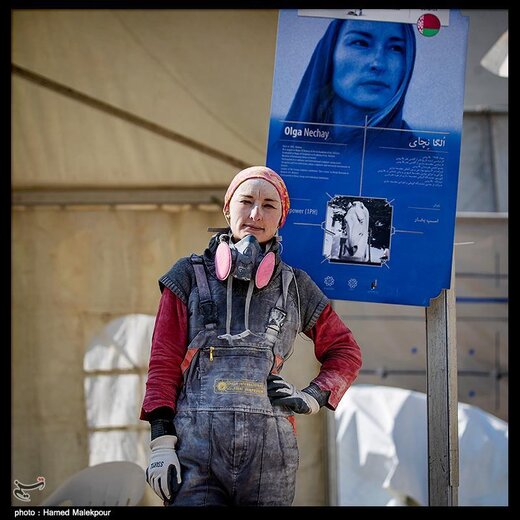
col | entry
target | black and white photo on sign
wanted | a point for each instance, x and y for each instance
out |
(357, 230)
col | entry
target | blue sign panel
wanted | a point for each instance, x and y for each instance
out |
(365, 129)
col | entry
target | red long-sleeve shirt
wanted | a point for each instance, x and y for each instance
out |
(334, 346)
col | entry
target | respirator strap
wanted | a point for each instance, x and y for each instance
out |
(248, 303)
(229, 304)
(229, 312)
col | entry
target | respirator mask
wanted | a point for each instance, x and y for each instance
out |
(244, 260)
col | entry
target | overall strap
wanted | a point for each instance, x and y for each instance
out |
(277, 317)
(207, 306)
(287, 277)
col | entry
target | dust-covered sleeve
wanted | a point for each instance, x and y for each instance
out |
(339, 354)
(334, 344)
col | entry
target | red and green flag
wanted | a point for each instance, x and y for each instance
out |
(428, 25)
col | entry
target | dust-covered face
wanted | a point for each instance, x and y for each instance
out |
(255, 209)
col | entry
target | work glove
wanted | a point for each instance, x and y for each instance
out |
(164, 471)
(280, 392)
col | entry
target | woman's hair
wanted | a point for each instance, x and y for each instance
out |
(313, 99)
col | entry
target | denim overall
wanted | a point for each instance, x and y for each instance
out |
(234, 447)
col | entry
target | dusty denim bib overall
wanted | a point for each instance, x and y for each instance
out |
(234, 447)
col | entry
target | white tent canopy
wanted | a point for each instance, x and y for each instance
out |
(175, 71)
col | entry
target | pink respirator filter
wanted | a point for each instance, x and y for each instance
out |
(222, 261)
(265, 270)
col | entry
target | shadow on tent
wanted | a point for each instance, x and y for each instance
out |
(118, 483)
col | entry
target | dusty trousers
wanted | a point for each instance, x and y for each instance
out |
(236, 458)
(234, 446)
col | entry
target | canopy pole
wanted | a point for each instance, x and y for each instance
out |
(442, 399)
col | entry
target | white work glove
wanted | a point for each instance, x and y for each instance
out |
(164, 471)
(280, 392)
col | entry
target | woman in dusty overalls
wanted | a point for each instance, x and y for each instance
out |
(222, 419)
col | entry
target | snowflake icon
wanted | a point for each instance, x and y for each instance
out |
(352, 283)
(329, 281)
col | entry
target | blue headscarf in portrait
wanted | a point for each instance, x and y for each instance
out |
(313, 99)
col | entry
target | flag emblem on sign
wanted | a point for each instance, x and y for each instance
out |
(428, 25)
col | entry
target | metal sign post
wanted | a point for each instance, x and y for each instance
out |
(442, 400)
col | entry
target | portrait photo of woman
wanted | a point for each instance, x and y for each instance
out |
(358, 75)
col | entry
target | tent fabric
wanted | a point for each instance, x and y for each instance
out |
(381, 442)
(161, 65)
(120, 344)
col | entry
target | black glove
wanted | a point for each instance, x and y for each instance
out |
(280, 392)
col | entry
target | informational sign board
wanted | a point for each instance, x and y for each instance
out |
(365, 129)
